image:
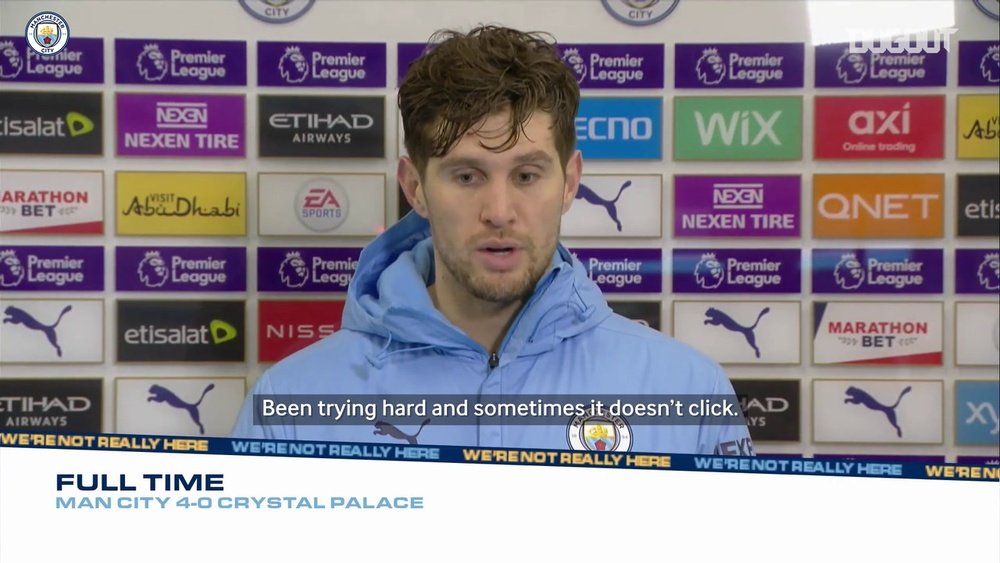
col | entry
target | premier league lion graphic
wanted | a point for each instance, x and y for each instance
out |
(708, 271)
(989, 271)
(293, 270)
(153, 270)
(710, 67)
(990, 65)
(152, 64)
(848, 272)
(11, 270)
(576, 63)
(852, 67)
(293, 65)
(10, 60)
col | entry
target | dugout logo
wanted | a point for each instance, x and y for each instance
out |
(47, 405)
(51, 123)
(322, 126)
(181, 331)
(601, 432)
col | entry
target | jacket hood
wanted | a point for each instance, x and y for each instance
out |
(387, 298)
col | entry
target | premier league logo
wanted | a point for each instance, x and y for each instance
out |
(151, 62)
(640, 12)
(47, 33)
(852, 67)
(710, 67)
(575, 63)
(848, 272)
(293, 270)
(153, 270)
(293, 65)
(11, 270)
(10, 60)
(708, 271)
(990, 65)
(989, 271)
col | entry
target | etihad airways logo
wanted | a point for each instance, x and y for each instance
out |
(327, 126)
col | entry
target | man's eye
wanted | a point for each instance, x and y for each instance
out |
(466, 178)
(526, 177)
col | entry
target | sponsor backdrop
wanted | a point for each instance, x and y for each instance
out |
(822, 222)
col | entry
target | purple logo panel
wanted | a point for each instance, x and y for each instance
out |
(737, 270)
(979, 63)
(739, 65)
(180, 125)
(177, 61)
(613, 66)
(877, 270)
(195, 268)
(334, 65)
(81, 61)
(977, 271)
(737, 206)
(406, 53)
(306, 269)
(51, 268)
(623, 270)
(837, 67)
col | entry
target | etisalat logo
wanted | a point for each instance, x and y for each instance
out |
(217, 332)
(74, 125)
(154, 272)
(710, 273)
(849, 273)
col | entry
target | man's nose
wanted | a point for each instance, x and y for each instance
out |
(498, 204)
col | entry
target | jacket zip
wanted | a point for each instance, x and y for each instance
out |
(494, 361)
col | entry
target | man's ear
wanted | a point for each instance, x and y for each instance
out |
(409, 181)
(573, 173)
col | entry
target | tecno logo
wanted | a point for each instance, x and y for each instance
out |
(866, 122)
(876, 206)
(614, 128)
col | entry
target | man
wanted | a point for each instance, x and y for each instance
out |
(471, 294)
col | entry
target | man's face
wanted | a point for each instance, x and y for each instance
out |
(495, 215)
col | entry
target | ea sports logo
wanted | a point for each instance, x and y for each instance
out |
(321, 205)
(47, 33)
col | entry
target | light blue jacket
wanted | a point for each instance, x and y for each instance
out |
(565, 341)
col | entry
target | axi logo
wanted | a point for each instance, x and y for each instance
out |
(50, 123)
(306, 269)
(182, 331)
(620, 128)
(168, 61)
(977, 412)
(738, 128)
(857, 127)
(737, 271)
(321, 64)
(878, 270)
(286, 327)
(878, 205)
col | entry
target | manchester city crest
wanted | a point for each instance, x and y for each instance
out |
(640, 12)
(277, 11)
(600, 432)
(989, 7)
(47, 33)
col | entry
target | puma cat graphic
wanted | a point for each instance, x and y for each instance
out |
(719, 318)
(18, 316)
(590, 196)
(386, 429)
(857, 396)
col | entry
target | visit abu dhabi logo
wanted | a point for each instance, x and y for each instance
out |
(47, 33)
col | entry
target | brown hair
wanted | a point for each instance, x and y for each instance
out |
(465, 78)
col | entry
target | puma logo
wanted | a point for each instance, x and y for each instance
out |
(161, 394)
(857, 396)
(719, 318)
(386, 429)
(21, 317)
(590, 196)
